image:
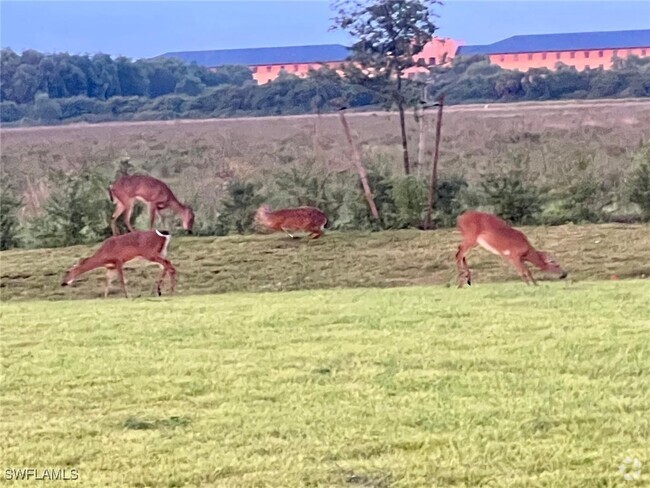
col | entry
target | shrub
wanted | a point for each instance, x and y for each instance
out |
(409, 195)
(511, 198)
(580, 202)
(77, 211)
(10, 112)
(449, 202)
(46, 109)
(9, 204)
(238, 208)
(639, 184)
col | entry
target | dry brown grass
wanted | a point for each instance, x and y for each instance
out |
(552, 140)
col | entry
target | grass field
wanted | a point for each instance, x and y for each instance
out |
(494, 385)
(339, 259)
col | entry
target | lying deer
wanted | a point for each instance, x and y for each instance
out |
(308, 219)
(118, 250)
(155, 193)
(496, 236)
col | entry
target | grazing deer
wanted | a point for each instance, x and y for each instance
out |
(155, 193)
(496, 236)
(118, 250)
(308, 219)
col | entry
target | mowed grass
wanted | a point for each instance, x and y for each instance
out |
(339, 259)
(494, 385)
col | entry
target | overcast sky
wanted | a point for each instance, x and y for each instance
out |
(148, 28)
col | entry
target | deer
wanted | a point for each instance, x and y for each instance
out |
(309, 219)
(115, 251)
(124, 191)
(498, 237)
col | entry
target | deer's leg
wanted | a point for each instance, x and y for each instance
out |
(152, 214)
(120, 273)
(110, 277)
(119, 209)
(464, 274)
(168, 269)
(127, 216)
(523, 270)
(285, 230)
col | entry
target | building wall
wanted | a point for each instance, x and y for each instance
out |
(442, 51)
(579, 59)
(436, 52)
(268, 72)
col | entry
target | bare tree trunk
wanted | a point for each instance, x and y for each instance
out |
(422, 131)
(434, 166)
(402, 124)
(363, 176)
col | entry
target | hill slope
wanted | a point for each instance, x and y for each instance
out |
(383, 259)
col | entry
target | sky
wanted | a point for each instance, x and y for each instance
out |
(145, 29)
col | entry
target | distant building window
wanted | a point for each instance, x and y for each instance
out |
(295, 67)
(502, 58)
(432, 61)
(629, 51)
(282, 67)
(600, 54)
(572, 55)
(643, 51)
(543, 55)
(586, 54)
(268, 69)
(515, 57)
(530, 57)
(254, 69)
(558, 55)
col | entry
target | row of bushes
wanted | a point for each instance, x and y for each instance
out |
(78, 210)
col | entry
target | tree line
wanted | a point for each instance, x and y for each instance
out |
(36, 88)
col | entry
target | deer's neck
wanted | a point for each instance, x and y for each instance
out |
(176, 206)
(535, 258)
(88, 264)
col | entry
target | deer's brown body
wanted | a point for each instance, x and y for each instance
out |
(116, 251)
(128, 189)
(306, 219)
(495, 235)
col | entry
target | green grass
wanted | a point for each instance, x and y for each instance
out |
(352, 259)
(494, 385)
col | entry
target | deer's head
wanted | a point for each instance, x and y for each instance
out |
(550, 265)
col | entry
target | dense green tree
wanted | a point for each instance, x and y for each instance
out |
(132, 77)
(25, 83)
(161, 81)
